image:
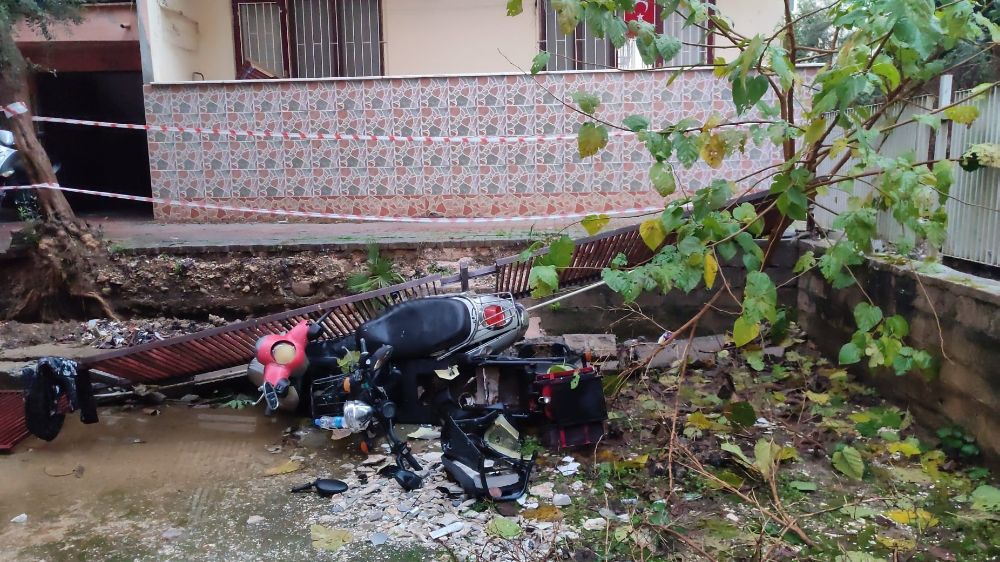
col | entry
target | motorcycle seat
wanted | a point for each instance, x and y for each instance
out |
(419, 328)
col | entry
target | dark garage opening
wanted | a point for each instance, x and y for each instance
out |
(98, 158)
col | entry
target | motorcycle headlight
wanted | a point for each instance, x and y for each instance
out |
(357, 415)
(283, 353)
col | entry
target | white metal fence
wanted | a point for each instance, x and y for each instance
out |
(974, 207)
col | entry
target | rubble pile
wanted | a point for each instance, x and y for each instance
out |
(112, 334)
(377, 510)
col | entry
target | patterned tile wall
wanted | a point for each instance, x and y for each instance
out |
(421, 179)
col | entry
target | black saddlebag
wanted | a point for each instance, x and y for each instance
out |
(574, 407)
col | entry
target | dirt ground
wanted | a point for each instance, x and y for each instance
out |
(176, 486)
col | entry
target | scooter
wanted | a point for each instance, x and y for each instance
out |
(439, 360)
(10, 159)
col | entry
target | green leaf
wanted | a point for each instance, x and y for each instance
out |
(636, 123)
(662, 176)
(514, 7)
(623, 283)
(672, 218)
(867, 316)
(540, 62)
(803, 486)
(560, 253)
(986, 498)
(735, 450)
(897, 326)
(749, 92)
(592, 138)
(931, 120)
(745, 331)
(652, 233)
(888, 72)
(503, 527)
(793, 203)
(766, 455)
(667, 46)
(594, 223)
(587, 101)
(806, 261)
(782, 67)
(543, 280)
(849, 354)
(848, 461)
(964, 114)
(568, 14)
(745, 213)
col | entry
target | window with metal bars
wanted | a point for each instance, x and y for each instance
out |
(582, 50)
(308, 38)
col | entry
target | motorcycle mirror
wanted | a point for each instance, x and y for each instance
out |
(325, 487)
(316, 328)
(407, 479)
(380, 357)
(7, 138)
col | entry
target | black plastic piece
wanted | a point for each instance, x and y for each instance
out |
(325, 487)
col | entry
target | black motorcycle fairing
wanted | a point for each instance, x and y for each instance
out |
(419, 328)
(324, 355)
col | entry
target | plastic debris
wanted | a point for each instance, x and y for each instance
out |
(447, 530)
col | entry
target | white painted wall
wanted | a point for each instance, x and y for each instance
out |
(750, 17)
(457, 36)
(189, 36)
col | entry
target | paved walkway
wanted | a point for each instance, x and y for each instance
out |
(146, 235)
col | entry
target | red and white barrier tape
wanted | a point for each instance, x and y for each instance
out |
(13, 109)
(299, 135)
(335, 216)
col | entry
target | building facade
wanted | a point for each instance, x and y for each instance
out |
(442, 68)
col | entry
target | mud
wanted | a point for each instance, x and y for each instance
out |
(180, 486)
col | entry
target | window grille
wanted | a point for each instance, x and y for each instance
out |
(311, 38)
(582, 50)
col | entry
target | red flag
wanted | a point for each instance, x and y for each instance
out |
(644, 10)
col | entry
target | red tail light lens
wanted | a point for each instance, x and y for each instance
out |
(494, 316)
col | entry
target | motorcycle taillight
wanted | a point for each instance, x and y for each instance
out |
(494, 316)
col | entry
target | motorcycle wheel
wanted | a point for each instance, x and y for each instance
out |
(41, 409)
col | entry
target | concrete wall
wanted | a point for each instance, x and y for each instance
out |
(967, 388)
(456, 36)
(603, 307)
(190, 36)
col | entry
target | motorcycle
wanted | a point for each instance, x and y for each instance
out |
(10, 159)
(12, 172)
(451, 360)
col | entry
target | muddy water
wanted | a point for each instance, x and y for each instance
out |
(177, 486)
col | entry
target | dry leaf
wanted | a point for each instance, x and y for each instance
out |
(285, 468)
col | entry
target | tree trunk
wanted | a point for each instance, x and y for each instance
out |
(36, 161)
(54, 266)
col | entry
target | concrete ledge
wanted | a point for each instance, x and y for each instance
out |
(947, 309)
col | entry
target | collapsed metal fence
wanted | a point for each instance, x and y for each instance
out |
(233, 345)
